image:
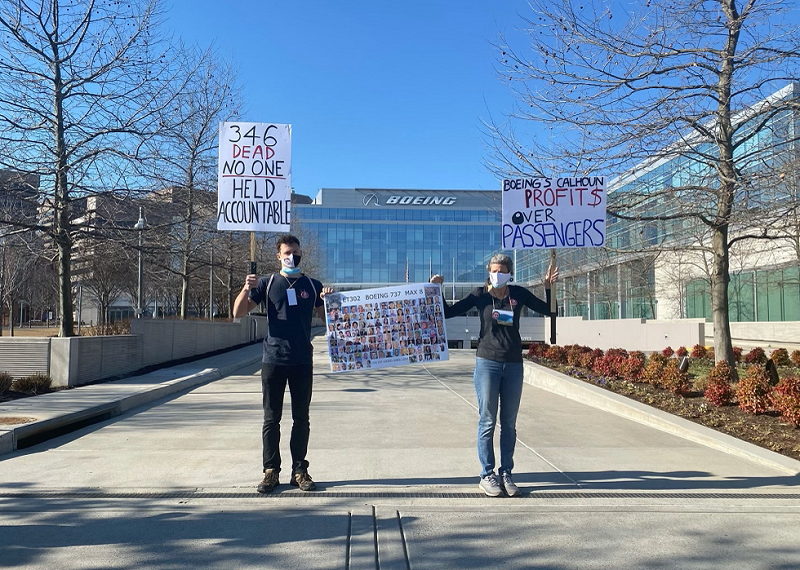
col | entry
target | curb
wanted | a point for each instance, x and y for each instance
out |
(579, 391)
(38, 430)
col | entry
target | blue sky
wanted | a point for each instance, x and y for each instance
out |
(379, 94)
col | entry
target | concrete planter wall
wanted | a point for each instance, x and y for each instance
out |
(630, 334)
(24, 356)
(80, 360)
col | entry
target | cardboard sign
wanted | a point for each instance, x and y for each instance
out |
(390, 326)
(544, 213)
(254, 187)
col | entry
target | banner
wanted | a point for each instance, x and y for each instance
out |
(390, 326)
(254, 188)
(544, 213)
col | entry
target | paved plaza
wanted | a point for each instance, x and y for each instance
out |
(170, 483)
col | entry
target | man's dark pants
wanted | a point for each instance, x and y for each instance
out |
(274, 378)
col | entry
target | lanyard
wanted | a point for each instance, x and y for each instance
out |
(494, 307)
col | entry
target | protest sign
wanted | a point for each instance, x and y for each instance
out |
(564, 211)
(254, 177)
(390, 326)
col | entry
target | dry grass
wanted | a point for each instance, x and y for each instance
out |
(36, 332)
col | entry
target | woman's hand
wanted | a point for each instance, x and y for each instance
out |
(551, 276)
(437, 279)
(325, 291)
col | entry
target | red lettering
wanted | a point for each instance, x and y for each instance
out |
(236, 151)
(552, 201)
(580, 195)
(596, 194)
(258, 151)
(537, 197)
(560, 193)
(528, 194)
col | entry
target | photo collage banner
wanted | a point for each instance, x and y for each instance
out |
(390, 326)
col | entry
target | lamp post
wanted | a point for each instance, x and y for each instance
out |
(140, 227)
(211, 286)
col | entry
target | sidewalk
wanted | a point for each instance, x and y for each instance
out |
(171, 484)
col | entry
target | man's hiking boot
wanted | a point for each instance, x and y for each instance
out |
(269, 482)
(303, 480)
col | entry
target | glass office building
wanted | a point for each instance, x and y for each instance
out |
(378, 237)
(638, 274)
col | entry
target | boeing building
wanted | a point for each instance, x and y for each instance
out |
(377, 237)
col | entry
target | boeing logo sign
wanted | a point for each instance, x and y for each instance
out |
(371, 198)
(421, 200)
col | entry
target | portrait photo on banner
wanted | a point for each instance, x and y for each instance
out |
(389, 326)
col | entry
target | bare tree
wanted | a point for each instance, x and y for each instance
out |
(16, 272)
(708, 87)
(187, 146)
(82, 82)
(107, 272)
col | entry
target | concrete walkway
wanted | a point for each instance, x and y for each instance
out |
(171, 483)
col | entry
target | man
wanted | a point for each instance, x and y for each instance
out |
(291, 298)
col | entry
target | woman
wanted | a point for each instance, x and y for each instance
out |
(498, 364)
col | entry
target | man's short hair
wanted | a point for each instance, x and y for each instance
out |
(287, 239)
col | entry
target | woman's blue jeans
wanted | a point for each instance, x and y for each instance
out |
(497, 382)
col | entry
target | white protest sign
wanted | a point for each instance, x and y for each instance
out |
(390, 326)
(543, 213)
(254, 177)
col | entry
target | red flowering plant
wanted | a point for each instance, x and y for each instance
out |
(795, 358)
(719, 390)
(674, 380)
(668, 352)
(681, 352)
(611, 363)
(753, 391)
(587, 359)
(698, 351)
(780, 356)
(755, 356)
(556, 354)
(633, 366)
(575, 353)
(537, 350)
(786, 399)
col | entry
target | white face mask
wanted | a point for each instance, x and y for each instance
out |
(497, 280)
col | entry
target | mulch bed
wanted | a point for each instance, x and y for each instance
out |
(765, 430)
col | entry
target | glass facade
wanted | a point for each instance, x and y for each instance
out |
(377, 238)
(760, 295)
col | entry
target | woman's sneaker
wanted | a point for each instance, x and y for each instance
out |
(508, 485)
(490, 485)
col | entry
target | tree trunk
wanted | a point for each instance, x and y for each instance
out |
(64, 285)
(720, 278)
(11, 315)
(229, 287)
(61, 206)
(720, 269)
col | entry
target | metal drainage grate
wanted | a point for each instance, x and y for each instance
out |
(381, 495)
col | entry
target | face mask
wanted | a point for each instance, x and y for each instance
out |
(497, 280)
(290, 263)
